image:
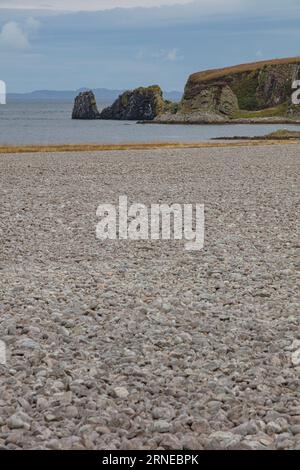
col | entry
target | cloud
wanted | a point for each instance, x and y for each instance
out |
(255, 7)
(32, 25)
(125, 48)
(15, 36)
(86, 5)
(173, 56)
(12, 36)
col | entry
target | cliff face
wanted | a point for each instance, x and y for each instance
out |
(258, 90)
(248, 92)
(139, 104)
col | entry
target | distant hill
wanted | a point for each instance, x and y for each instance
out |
(103, 95)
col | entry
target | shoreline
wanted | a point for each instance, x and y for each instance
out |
(216, 143)
(223, 123)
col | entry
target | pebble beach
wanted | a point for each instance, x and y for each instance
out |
(141, 344)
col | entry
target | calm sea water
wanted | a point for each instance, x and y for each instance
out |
(51, 123)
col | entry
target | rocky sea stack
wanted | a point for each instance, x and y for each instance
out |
(85, 106)
(256, 92)
(144, 103)
(139, 104)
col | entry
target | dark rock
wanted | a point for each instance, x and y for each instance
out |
(139, 104)
(85, 106)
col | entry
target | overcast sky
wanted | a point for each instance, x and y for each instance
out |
(62, 44)
(88, 5)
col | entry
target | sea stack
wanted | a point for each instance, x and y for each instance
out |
(85, 106)
(144, 103)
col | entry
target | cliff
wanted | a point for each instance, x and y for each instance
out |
(256, 92)
(260, 90)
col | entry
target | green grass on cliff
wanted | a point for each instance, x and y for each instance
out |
(248, 82)
(149, 89)
(245, 90)
(278, 111)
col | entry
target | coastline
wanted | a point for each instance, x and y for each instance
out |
(226, 122)
(221, 142)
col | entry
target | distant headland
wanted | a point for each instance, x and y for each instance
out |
(259, 92)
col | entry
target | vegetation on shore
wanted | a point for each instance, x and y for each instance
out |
(277, 111)
(143, 146)
(282, 135)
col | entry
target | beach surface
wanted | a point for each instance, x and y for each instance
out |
(141, 344)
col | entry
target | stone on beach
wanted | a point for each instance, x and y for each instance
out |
(122, 344)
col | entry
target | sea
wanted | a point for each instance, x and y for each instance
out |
(25, 123)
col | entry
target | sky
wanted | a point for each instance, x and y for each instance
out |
(88, 5)
(69, 44)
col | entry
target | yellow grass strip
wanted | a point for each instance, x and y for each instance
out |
(140, 146)
(249, 67)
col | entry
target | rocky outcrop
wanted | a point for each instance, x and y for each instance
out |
(139, 104)
(211, 104)
(256, 92)
(85, 106)
(217, 98)
(259, 90)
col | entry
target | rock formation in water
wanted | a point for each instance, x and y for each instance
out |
(85, 106)
(260, 90)
(140, 104)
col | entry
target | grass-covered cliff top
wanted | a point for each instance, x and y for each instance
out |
(213, 74)
(149, 89)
